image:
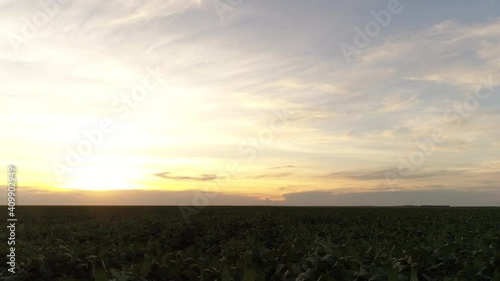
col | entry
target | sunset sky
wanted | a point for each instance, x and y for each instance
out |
(262, 102)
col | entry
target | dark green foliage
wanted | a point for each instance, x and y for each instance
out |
(257, 243)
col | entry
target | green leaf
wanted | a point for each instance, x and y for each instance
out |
(379, 277)
(100, 275)
(226, 275)
(190, 274)
(496, 276)
(145, 267)
(393, 274)
(413, 276)
(363, 273)
(249, 275)
(117, 274)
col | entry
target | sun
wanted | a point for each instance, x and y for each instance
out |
(101, 179)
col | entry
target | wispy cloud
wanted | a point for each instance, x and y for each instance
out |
(166, 175)
(379, 174)
(396, 102)
(281, 167)
(272, 175)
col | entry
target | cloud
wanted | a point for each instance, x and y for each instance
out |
(205, 177)
(293, 188)
(450, 53)
(379, 174)
(456, 143)
(272, 175)
(395, 102)
(281, 167)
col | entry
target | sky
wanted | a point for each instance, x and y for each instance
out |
(239, 102)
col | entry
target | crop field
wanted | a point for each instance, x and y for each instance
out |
(255, 243)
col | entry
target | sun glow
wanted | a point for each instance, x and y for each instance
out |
(101, 180)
